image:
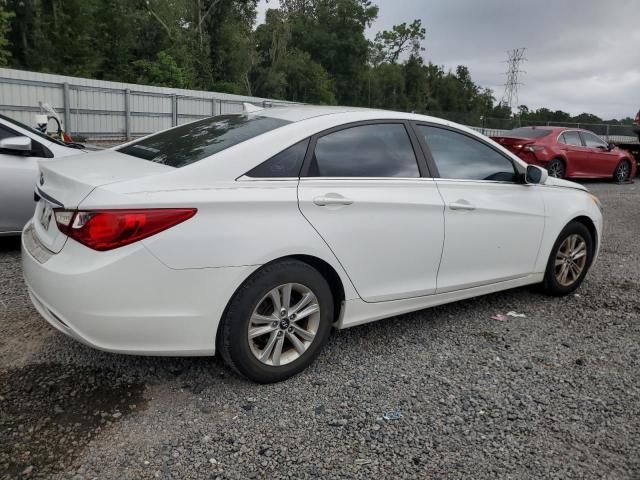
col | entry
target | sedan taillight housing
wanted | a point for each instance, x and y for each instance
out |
(533, 148)
(108, 229)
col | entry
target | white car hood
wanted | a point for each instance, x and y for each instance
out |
(558, 182)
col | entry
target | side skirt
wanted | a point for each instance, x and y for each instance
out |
(357, 312)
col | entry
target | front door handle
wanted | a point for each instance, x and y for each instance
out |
(461, 205)
(331, 199)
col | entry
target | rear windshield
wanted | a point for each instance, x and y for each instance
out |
(528, 132)
(190, 143)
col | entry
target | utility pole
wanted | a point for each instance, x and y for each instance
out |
(514, 60)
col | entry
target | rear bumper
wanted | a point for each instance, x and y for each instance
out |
(127, 301)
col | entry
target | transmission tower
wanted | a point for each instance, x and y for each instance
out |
(515, 59)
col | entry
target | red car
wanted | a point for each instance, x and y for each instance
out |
(569, 152)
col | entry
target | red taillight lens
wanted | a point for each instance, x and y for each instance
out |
(108, 229)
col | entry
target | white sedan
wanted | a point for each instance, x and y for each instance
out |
(21, 148)
(252, 235)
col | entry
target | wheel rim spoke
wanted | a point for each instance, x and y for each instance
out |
(286, 296)
(257, 319)
(301, 332)
(275, 298)
(311, 309)
(258, 332)
(297, 344)
(266, 353)
(277, 351)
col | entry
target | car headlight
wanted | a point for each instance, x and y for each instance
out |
(596, 200)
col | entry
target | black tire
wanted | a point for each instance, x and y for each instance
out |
(551, 284)
(232, 341)
(556, 168)
(622, 171)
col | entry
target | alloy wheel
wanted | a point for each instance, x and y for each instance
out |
(571, 260)
(284, 324)
(622, 172)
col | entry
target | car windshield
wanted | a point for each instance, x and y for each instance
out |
(32, 130)
(194, 141)
(526, 132)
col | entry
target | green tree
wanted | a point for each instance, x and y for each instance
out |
(5, 28)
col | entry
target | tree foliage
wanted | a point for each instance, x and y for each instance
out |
(312, 51)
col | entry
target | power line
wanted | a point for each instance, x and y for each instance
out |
(515, 59)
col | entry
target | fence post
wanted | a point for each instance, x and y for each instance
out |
(67, 108)
(127, 114)
(607, 133)
(213, 107)
(174, 110)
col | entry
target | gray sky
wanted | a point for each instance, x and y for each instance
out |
(583, 55)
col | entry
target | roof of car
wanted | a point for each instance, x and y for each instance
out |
(304, 112)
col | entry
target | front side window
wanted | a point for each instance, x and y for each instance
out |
(376, 150)
(592, 141)
(285, 164)
(572, 138)
(194, 141)
(461, 157)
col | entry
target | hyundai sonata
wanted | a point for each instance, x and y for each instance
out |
(253, 235)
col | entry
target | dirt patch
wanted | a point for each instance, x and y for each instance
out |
(49, 412)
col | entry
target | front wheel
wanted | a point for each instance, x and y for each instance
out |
(570, 260)
(277, 322)
(622, 172)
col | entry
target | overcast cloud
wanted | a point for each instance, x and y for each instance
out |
(583, 55)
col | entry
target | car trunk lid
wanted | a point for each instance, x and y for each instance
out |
(513, 144)
(65, 183)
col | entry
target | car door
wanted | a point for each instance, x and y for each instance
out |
(575, 151)
(493, 223)
(366, 191)
(601, 161)
(18, 176)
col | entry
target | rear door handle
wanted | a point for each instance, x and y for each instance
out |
(331, 199)
(461, 205)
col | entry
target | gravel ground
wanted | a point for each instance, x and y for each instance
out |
(552, 395)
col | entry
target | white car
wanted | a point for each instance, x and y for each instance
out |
(252, 235)
(21, 147)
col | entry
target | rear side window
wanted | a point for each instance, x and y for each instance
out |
(572, 138)
(376, 150)
(285, 164)
(462, 157)
(192, 142)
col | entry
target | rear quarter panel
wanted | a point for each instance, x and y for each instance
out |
(239, 223)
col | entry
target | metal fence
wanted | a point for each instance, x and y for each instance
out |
(101, 110)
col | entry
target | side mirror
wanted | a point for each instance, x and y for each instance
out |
(535, 175)
(16, 144)
(611, 146)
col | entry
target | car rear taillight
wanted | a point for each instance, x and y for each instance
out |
(108, 229)
(533, 148)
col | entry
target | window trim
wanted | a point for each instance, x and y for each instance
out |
(434, 168)
(423, 169)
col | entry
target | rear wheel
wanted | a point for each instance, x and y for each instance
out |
(556, 168)
(570, 260)
(277, 322)
(622, 172)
